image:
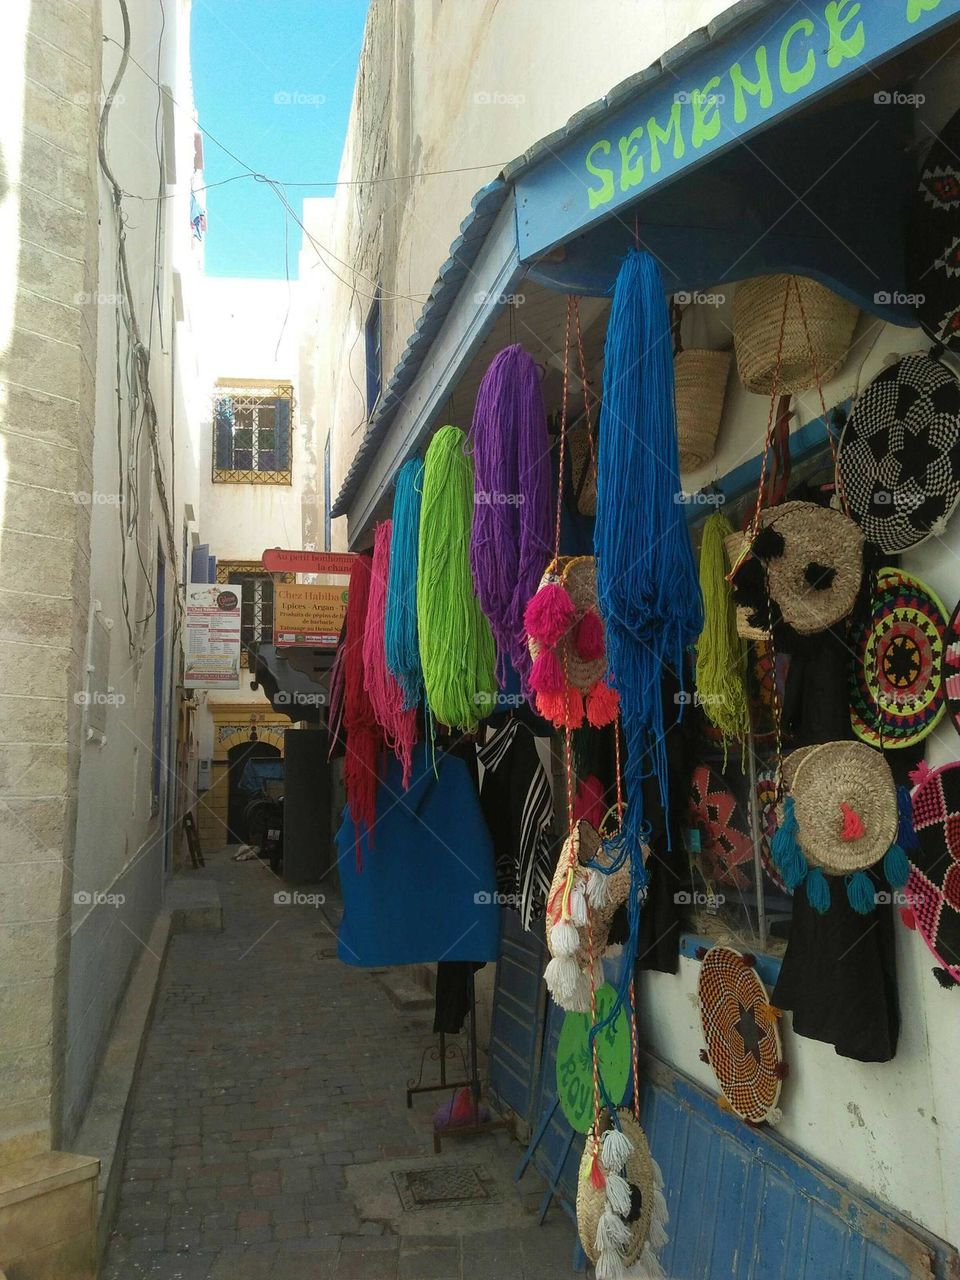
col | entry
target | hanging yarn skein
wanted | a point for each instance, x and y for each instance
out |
(456, 643)
(386, 697)
(512, 538)
(401, 645)
(363, 739)
(721, 652)
(646, 574)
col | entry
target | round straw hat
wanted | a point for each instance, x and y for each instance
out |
(643, 1175)
(833, 784)
(817, 348)
(700, 378)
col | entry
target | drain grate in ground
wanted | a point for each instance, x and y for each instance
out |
(439, 1186)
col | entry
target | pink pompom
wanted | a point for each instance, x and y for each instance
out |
(546, 674)
(603, 703)
(549, 614)
(921, 773)
(588, 636)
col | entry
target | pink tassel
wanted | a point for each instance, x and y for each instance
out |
(596, 1174)
(921, 773)
(588, 636)
(546, 674)
(549, 614)
(603, 703)
(853, 827)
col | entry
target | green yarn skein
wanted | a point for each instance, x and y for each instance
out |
(456, 644)
(721, 652)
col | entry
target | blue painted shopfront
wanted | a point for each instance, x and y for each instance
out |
(742, 1204)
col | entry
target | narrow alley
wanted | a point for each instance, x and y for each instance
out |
(270, 1119)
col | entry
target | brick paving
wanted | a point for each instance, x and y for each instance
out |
(271, 1070)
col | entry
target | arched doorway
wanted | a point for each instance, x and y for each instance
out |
(238, 757)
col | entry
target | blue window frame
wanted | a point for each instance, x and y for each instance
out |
(373, 345)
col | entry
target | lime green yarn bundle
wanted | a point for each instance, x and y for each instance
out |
(456, 644)
(721, 652)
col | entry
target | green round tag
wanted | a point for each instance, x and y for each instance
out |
(574, 1068)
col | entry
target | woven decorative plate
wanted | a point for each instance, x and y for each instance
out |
(741, 1034)
(647, 1217)
(933, 889)
(899, 455)
(933, 239)
(896, 675)
(951, 668)
(725, 842)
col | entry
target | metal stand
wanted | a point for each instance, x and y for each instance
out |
(443, 1053)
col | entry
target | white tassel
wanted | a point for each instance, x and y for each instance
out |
(597, 888)
(618, 1194)
(657, 1234)
(579, 1000)
(613, 1234)
(578, 907)
(773, 1116)
(646, 1267)
(609, 1266)
(561, 976)
(615, 1150)
(564, 939)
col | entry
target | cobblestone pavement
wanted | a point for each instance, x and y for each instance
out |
(274, 1077)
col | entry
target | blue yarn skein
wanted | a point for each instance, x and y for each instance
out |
(400, 640)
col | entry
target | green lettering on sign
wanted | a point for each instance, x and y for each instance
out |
(631, 162)
(658, 135)
(838, 19)
(760, 88)
(706, 113)
(916, 8)
(790, 80)
(575, 1063)
(603, 193)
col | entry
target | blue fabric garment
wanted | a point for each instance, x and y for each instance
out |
(426, 891)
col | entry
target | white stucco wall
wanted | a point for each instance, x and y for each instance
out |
(122, 837)
(462, 87)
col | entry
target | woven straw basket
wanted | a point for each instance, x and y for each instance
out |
(829, 775)
(757, 316)
(642, 1172)
(578, 576)
(701, 383)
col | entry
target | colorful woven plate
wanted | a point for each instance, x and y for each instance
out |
(895, 683)
(741, 1034)
(725, 843)
(933, 890)
(951, 668)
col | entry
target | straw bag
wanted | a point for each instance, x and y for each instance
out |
(810, 350)
(700, 378)
(700, 381)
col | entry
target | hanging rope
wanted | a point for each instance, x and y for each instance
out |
(456, 644)
(401, 644)
(386, 697)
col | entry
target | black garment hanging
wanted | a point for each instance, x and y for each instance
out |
(518, 807)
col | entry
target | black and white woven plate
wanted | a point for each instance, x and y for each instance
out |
(899, 455)
(933, 242)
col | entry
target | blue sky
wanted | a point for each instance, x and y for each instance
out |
(273, 80)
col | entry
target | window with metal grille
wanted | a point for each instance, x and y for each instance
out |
(256, 602)
(373, 343)
(252, 433)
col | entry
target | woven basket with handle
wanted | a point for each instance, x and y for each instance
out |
(815, 349)
(700, 377)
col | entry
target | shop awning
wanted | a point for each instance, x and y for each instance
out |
(681, 158)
